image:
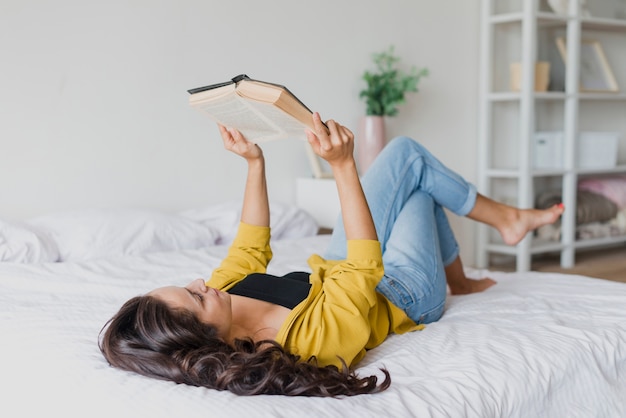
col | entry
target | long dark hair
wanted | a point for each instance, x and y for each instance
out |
(150, 338)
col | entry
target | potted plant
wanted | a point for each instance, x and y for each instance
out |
(385, 90)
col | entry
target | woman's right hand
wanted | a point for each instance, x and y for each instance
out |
(235, 142)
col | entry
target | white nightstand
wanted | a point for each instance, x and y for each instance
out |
(319, 198)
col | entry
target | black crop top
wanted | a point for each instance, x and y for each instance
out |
(288, 290)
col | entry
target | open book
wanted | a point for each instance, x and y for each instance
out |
(261, 111)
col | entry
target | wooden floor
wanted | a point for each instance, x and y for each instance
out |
(609, 264)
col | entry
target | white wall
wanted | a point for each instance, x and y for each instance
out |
(93, 101)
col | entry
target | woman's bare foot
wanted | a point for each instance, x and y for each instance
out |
(512, 223)
(459, 284)
(468, 286)
(522, 221)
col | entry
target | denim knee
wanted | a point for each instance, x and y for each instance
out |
(423, 304)
(403, 145)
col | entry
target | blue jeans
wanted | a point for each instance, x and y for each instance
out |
(407, 188)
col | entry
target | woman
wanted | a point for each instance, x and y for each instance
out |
(252, 333)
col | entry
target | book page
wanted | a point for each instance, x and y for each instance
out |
(258, 122)
(287, 124)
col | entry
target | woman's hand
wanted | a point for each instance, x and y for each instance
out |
(335, 145)
(255, 209)
(235, 142)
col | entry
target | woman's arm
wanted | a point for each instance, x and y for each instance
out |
(337, 147)
(255, 209)
(250, 251)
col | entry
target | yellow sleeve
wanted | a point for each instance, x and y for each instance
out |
(352, 283)
(250, 252)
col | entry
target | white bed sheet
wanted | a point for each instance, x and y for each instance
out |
(535, 345)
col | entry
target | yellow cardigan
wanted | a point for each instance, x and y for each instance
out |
(343, 315)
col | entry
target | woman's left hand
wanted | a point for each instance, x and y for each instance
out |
(235, 142)
(335, 144)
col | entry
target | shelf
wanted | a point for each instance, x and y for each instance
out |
(599, 23)
(511, 96)
(549, 172)
(510, 173)
(517, 17)
(596, 242)
(548, 18)
(602, 96)
(539, 246)
(617, 169)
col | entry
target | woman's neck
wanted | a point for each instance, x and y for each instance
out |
(256, 319)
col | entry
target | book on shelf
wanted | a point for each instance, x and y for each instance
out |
(260, 110)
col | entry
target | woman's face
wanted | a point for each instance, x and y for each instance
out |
(209, 305)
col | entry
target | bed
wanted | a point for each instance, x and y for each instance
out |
(534, 345)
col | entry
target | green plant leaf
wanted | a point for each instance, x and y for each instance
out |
(387, 86)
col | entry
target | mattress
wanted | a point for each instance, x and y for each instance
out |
(534, 345)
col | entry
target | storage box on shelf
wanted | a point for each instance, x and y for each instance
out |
(594, 150)
(597, 150)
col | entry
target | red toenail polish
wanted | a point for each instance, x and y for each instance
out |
(561, 205)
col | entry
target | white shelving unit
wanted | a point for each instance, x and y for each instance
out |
(525, 31)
